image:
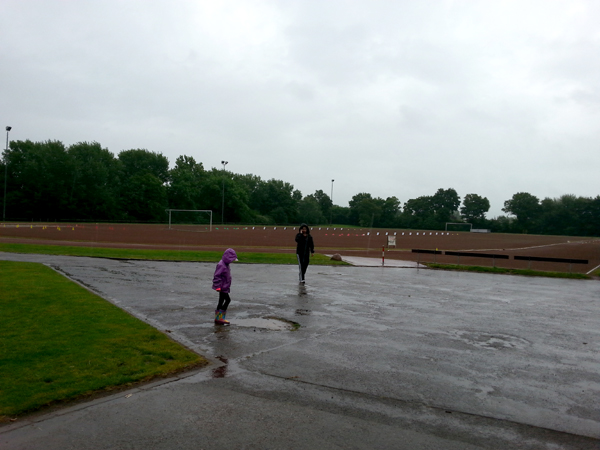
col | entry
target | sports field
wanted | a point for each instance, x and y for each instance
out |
(346, 241)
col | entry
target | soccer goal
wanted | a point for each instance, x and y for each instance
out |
(459, 226)
(190, 219)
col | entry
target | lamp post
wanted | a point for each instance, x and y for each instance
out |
(331, 210)
(5, 173)
(223, 203)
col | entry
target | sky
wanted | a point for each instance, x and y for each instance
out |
(392, 98)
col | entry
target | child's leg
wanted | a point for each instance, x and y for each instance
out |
(223, 301)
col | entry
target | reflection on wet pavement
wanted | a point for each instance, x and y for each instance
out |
(266, 324)
(221, 371)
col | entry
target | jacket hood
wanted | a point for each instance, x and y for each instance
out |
(229, 256)
(307, 228)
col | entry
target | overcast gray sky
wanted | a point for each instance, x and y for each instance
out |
(394, 98)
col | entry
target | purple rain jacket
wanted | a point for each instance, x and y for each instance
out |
(222, 277)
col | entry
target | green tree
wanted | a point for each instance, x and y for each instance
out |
(418, 213)
(145, 198)
(277, 200)
(549, 219)
(431, 212)
(211, 191)
(445, 203)
(501, 224)
(94, 191)
(568, 215)
(310, 211)
(591, 218)
(525, 207)
(236, 196)
(362, 209)
(250, 183)
(365, 210)
(340, 215)
(236, 202)
(184, 190)
(390, 212)
(144, 176)
(474, 208)
(40, 178)
(141, 161)
(325, 203)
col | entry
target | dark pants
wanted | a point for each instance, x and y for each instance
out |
(302, 265)
(223, 301)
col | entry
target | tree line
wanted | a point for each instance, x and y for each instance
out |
(85, 182)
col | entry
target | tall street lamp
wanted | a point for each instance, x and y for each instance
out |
(331, 210)
(5, 173)
(223, 204)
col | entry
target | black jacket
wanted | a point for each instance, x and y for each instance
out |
(304, 244)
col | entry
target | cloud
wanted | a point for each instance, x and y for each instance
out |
(392, 98)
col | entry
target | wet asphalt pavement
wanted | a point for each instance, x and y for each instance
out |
(385, 358)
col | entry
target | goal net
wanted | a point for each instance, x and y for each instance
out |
(190, 219)
(458, 226)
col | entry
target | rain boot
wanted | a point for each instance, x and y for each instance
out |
(223, 320)
(220, 318)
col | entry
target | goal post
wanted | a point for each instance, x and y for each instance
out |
(459, 224)
(189, 219)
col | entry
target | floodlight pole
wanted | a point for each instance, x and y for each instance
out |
(331, 210)
(223, 203)
(5, 173)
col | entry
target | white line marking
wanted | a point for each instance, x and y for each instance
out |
(593, 269)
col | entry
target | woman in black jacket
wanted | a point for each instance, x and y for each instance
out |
(304, 248)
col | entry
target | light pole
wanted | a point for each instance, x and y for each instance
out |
(331, 210)
(5, 173)
(223, 204)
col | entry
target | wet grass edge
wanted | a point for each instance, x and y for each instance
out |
(164, 255)
(119, 353)
(503, 271)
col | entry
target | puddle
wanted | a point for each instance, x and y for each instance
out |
(222, 332)
(221, 371)
(266, 324)
(303, 312)
(491, 341)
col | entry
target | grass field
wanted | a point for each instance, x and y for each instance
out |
(161, 255)
(499, 270)
(59, 342)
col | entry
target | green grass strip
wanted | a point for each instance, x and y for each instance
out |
(525, 272)
(162, 255)
(59, 341)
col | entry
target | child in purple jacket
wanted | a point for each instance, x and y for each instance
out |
(222, 283)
